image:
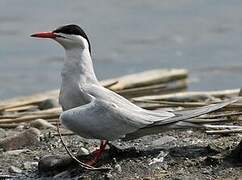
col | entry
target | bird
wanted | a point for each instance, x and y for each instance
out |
(95, 112)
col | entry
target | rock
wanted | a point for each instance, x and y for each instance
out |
(51, 164)
(27, 138)
(83, 152)
(163, 141)
(13, 169)
(2, 133)
(63, 175)
(16, 152)
(159, 158)
(118, 167)
(48, 104)
(236, 154)
(42, 124)
(108, 176)
(30, 165)
(21, 127)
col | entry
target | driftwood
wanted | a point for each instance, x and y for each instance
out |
(144, 79)
(224, 131)
(191, 96)
(171, 87)
(151, 90)
(148, 78)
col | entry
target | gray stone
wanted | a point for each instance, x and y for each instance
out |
(21, 127)
(83, 152)
(108, 176)
(54, 163)
(42, 124)
(48, 104)
(26, 138)
(13, 169)
(30, 165)
(118, 167)
(163, 141)
(16, 152)
(2, 133)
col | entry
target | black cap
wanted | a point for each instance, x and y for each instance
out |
(73, 29)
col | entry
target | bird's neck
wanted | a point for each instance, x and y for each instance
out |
(78, 67)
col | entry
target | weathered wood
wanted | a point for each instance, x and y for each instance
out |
(191, 96)
(28, 100)
(148, 78)
(171, 87)
(153, 106)
(21, 108)
(37, 113)
(224, 131)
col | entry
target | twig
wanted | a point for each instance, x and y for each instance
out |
(201, 120)
(183, 104)
(221, 127)
(225, 131)
(28, 118)
(83, 165)
(5, 176)
(64, 134)
(21, 108)
(164, 88)
(109, 84)
(222, 115)
(9, 125)
(193, 95)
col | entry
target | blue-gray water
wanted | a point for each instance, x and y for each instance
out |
(204, 36)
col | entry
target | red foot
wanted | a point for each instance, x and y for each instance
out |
(98, 153)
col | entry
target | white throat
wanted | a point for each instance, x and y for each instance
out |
(76, 74)
(78, 66)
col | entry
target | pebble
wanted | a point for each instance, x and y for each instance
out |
(30, 165)
(42, 124)
(52, 163)
(2, 133)
(13, 169)
(26, 138)
(21, 127)
(118, 168)
(83, 152)
(48, 104)
(159, 158)
(108, 176)
(16, 152)
(164, 140)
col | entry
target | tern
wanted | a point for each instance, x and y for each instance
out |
(93, 111)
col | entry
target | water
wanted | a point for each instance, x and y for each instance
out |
(204, 36)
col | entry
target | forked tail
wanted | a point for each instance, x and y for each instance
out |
(181, 120)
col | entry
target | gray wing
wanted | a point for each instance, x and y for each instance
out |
(107, 95)
(102, 119)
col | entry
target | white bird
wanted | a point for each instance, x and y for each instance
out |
(92, 111)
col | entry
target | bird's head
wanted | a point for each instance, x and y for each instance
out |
(69, 36)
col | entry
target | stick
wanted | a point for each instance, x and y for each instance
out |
(222, 115)
(225, 131)
(56, 111)
(148, 78)
(21, 108)
(83, 165)
(29, 118)
(171, 87)
(192, 96)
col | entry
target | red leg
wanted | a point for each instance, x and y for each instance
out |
(98, 153)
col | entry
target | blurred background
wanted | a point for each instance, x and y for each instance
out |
(204, 36)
